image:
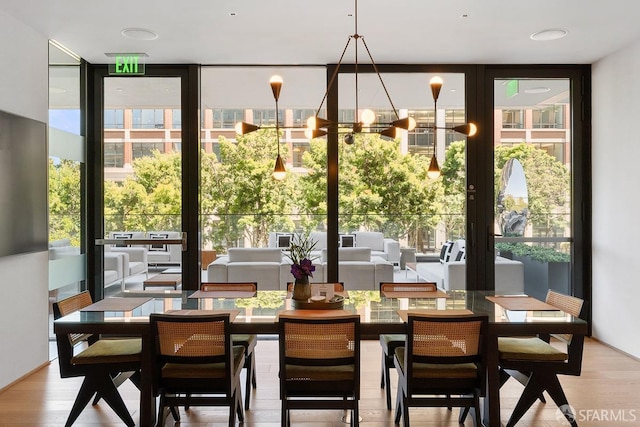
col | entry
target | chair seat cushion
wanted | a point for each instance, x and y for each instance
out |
(437, 370)
(203, 370)
(320, 373)
(110, 351)
(529, 349)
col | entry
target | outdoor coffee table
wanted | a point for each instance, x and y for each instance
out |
(163, 280)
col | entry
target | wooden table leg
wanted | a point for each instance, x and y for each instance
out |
(491, 413)
(147, 399)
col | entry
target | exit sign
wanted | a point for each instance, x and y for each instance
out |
(127, 64)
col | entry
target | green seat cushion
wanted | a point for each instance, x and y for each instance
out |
(203, 370)
(438, 370)
(529, 349)
(110, 351)
(320, 373)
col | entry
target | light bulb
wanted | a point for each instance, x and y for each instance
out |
(238, 128)
(367, 117)
(308, 133)
(412, 124)
(311, 123)
(434, 170)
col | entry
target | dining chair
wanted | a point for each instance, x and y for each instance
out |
(389, 342)
(319, 364)
(196, 363)
(536, 363)
(248, 341)
(442, 364)
(104, 363)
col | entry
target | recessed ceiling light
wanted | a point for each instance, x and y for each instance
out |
(232, 14)
(464, 15)
(540, 89)
(550, 34)
(139, 34)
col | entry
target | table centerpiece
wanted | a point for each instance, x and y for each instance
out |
(302, 265)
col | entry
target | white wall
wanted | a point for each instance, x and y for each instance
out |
(23, 278)
(616, 205)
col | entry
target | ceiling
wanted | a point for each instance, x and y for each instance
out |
(310, 33)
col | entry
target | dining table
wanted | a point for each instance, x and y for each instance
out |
(509, 315)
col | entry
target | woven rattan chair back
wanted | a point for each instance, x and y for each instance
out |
(567, 303)
(408, 287)
(319, 364)
(190, 338)
(229, 286)
(320, 341)
(447, 338)
(71, 305)
(435, 338)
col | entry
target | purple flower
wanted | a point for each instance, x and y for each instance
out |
(305, 268)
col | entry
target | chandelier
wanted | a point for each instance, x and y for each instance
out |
(318, 127)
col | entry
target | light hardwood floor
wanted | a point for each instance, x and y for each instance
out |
(609, 386)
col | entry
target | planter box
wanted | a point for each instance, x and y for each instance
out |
(539, 277)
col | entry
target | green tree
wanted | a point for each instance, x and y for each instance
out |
(379, 187)
(243, 200)
(150, 199)
(548, 183)
(453, 174)
(64, 201)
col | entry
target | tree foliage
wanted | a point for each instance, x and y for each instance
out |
(379, 187)
(64, 201)
(548, 184)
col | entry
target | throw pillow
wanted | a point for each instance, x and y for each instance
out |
(122, 236)
(158, 246)
(461, 256)
(283, 240)
(445, 252)
(347, 240)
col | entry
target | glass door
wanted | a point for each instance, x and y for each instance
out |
(533, 166)
(389, 201)
(142, 134)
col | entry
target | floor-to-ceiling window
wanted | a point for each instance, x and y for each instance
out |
(241, 205)
(67, 260)
(537, 144)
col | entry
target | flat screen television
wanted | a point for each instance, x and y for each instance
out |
(23, 185)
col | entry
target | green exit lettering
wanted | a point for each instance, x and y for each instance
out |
(126, 64)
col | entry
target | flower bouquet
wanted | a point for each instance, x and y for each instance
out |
(302, 265)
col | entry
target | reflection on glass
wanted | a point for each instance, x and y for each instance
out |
(513, 200)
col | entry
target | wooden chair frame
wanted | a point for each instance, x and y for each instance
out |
(309, 347)
(196, 340)
(101, 377)
(247, 341)
(389, 342)
(539, 376)
(443, 340)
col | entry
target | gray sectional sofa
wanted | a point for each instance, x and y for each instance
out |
(271, 269)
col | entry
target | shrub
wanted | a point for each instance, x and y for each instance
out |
(538, 253)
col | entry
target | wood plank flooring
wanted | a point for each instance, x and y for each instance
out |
(608, 387)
